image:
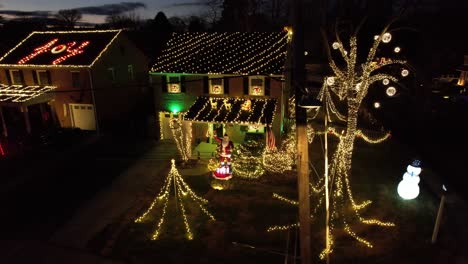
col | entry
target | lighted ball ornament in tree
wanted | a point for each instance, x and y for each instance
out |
(352, 81)
(408, 188)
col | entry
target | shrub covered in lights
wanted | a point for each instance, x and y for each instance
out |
(247, 160)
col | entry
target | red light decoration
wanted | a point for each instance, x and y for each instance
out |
(59, 49)
(1, 150)
(37, 51)
(69, 48)
(71, 52)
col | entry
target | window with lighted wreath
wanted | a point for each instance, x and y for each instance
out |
(216, 86)
(173, 84)
(257, 86)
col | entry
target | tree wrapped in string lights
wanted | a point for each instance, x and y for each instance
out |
(176, 184)
(350, 83)
(182, 138)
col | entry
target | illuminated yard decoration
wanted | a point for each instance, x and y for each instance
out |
(408, 188)
(247, 160)
(71, 49)
(182, 138)
(352, 82)
(181, 192)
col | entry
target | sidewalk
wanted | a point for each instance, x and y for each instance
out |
(109, 204)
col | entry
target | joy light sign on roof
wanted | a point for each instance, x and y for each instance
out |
(65, 50)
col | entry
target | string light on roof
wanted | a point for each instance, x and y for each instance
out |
(236, 53)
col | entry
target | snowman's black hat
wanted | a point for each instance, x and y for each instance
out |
(416, 163)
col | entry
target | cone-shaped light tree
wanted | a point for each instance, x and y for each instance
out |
(175, 184)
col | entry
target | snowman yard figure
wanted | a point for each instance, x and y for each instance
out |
(408, 188)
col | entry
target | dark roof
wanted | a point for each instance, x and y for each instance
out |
(22, 93)
(224, 53)
(462, 68)
(55, 42)
(262, 110)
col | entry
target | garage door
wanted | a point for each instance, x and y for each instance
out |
(82, 116)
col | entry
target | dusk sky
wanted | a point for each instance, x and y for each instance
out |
(169, 7)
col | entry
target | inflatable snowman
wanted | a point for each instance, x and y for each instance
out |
(408, 188)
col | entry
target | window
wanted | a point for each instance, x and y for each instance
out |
(43, 77)
(216, 86)
(173, 84)
(111, 74)
(130, 72)
(15, 76)
(75, 75)
(257, 85)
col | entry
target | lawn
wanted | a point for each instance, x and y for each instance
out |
(245, 211)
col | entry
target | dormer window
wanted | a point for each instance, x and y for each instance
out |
(173, 84)
(257, 85)
(43, 77)
(15, 77)
(216, 86)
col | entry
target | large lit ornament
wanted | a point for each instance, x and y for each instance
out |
(408, 188)
(330, 80)
(386, 38)
(386, 81)
(391, 91)
(335, 45)
(397, 49)
(404, 72)
(376, 105)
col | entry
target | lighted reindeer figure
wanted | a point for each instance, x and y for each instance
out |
(227, 105)
(214, 104)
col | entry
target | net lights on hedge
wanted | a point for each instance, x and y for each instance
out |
(174, 183)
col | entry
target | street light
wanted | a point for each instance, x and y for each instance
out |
(310, 102)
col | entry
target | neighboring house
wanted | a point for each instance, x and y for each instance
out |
(92, 80)
(223, 83)
(463, 79)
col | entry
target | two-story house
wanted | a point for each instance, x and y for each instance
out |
(92, 80)
(231, 82)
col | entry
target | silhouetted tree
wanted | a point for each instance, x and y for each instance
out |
(68, 17)
(196, 24)
(178, 24)
(127, 21)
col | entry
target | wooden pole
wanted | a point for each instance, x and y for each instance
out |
(438, 219)
(298, 84)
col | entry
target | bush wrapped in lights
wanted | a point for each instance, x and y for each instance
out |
(247, 160)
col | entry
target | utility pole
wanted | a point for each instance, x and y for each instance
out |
(298, 83)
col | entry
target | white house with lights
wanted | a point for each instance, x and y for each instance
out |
(91, 80)
(230, 82)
